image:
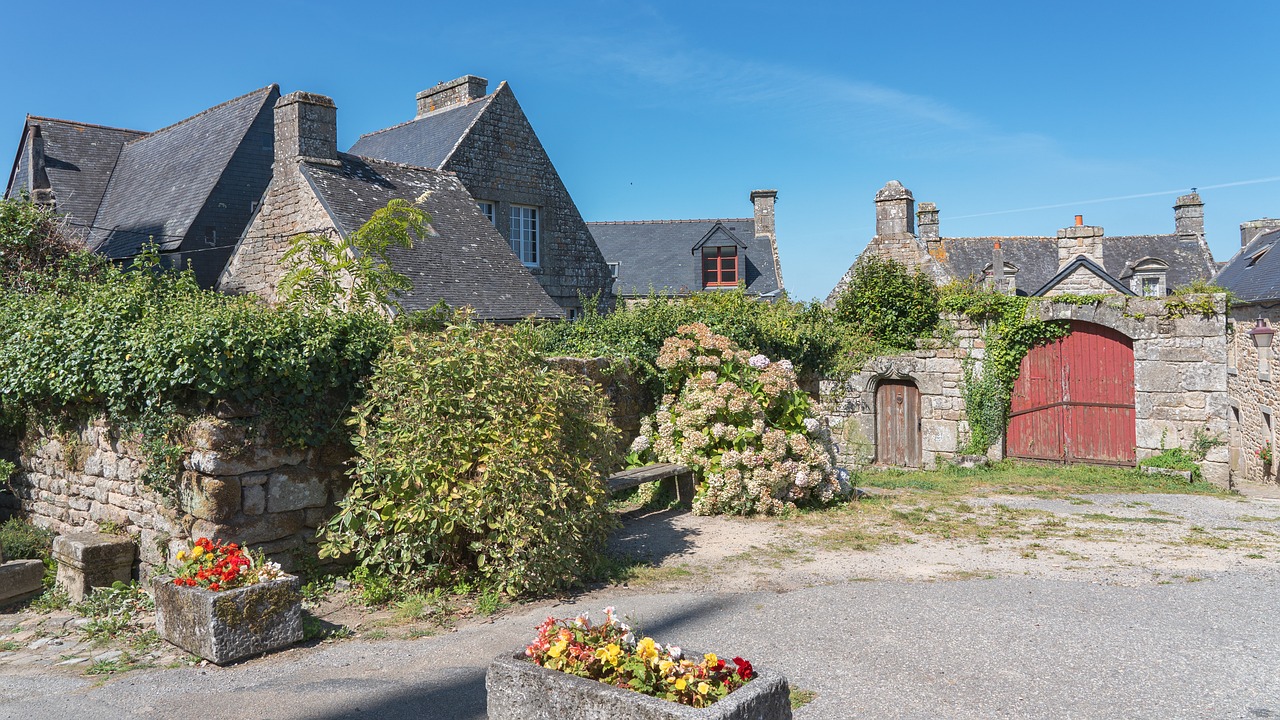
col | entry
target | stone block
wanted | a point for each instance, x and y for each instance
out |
(1150, 376)
(938, 435)
(247, 460)
(216, 499)
(1204, 377)
(254, 500)
(90, 560)
(251, 530)
(228, 625)
(20, 580)
(519, 689)
(294, 491)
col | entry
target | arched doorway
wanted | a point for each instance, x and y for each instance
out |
(1074, 400)
(898, 423)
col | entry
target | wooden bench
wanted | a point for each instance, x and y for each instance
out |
(677, 478)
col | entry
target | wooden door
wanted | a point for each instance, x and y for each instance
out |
(898, 424)
(1074, 400)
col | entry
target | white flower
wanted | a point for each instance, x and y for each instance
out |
(640, 444)
(759, 362)
(629, 640)
(811, 425)
(785, 365)
(675, 652)
(802, 479)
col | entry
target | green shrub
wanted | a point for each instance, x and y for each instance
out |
(35, 250)
(887, 302)
(476, 462)
(1175, 459)
(807, 334)
(23, 541)
(144, 342)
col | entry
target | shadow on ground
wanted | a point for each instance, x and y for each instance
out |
(653, 537)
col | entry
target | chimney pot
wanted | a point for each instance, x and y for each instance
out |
(1079, 221)
(1188, 215)
(454, 92)
(895, 211)
(927, 223)
(1249, 231)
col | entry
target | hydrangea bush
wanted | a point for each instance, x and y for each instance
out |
(744, 425)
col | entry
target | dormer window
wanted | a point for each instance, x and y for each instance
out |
(720, 266)
(1010, 286)
(1150, 278)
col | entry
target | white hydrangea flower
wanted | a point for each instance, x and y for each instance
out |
(759, 362)
(811, 425)
(640, 444)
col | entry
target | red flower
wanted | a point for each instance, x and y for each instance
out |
(215, 586)
(177, 581)
(745, 671)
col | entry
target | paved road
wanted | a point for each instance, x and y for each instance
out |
(1000, 648)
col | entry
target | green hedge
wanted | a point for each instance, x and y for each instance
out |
(144, 342)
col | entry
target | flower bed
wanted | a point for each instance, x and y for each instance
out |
(575, 669)
(224, 604)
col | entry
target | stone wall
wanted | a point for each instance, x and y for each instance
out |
(1082, 282)
(501, 160)
(617, 379)
(1254, 398)
(849, 407)
(1180, 384)
(236, 484)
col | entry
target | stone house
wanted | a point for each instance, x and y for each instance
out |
(1080, 259)
(677, 257)
(1252, 276)
(487, 141)
(316, 189)
(190, 187)
(1134, 376)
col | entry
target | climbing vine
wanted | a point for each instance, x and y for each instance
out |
(1009, 333)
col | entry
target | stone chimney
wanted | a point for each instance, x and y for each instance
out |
(1188, 215)
(454, 92)
(762, 201)
(997, 267)
(1079, 239)
(895, 211)
(1249, 231)
(38, 185)
(306, 129)
(927, 223)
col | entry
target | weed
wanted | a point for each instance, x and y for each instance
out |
(112, 611)
(417, 633)
(374, 590)
(800, 698)
(104, 667)
(314, 628)
(1255, 556)
(1105, 517)
(1257, 518)
(490, 601)
(375, 635)
(10, 646)
(52, 599)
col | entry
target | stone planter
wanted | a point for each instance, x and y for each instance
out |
(518, 689)
(230, 624)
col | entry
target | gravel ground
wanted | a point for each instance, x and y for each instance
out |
(1147, 626)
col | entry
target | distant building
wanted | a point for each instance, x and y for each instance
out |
(1081, 259)
(678, 257)
(488, 142)
(190, 187)
(316, 189)
(1252, 276)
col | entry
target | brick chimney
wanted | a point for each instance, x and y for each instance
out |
(1079, 239)
(306, 129)
(762, 201)
(454, 92)
(1188, 215)
(38, 185)
(1249, 231)
(895, 211)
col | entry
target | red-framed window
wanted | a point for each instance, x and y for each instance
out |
(719, 266)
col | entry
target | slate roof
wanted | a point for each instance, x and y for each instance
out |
(465, 262)
(162, 180)
(79, 158)
(427, 141)
(1188, 259)
(658, 254)
(1251, 276)
(1036, 258)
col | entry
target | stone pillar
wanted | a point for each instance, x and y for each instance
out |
(895, 211)
(38, 185)
(306, 129)
(1249, 231)
(454, 92)
(1188, 215)
(1079, 239)
(92, 560)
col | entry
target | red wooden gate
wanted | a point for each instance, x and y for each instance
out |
(1074, 400)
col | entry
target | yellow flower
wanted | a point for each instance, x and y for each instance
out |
(665, 665)
(681, 684)
(609, 653)
(555, 650)
(646, 649)
(703, 688)
(182, 554)
(710, 658)
(196, 552)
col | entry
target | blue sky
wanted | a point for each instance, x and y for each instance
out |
(677, 110)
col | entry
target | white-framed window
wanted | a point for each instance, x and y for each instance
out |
(613, 269)
(524, 234)
(490, 211)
